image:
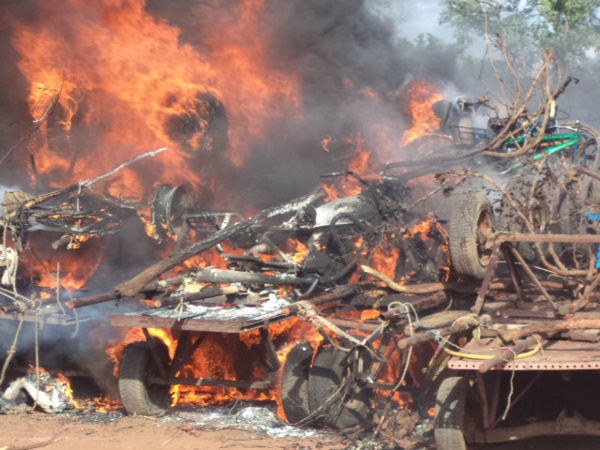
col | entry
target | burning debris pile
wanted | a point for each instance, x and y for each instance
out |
(320, 304)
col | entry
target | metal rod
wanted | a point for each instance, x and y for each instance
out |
(516, 400)
(212, 382)
(535, 280)
(184, 351)
(512, 270)
(487, 279)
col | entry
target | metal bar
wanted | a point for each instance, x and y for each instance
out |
(184, 351)
(512, 270)
(535, 280)
(496, 377)
(487, 279)
(271, 354)
(212, 382)
(484, 400)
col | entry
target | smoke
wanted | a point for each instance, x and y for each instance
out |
(350, 64)
(347, 59)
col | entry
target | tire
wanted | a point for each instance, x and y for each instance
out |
(537, 210)
(573, 219)
(137, 365)
(291, 391)
(450, 405)
(587, 149)
(329, 401)
(471, 230)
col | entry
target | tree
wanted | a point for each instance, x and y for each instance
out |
(570, 27)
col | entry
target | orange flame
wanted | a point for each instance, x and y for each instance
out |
(128, 81)
(421, 97)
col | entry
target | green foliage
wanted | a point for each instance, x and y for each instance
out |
(570, 27)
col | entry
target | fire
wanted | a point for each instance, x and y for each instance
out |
(51, 267)
(220, 356)
(421, 97)
(131, 85)
(361, 162)
(385, 259)
(301, 252)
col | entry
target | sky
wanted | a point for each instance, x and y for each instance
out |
(416, 17)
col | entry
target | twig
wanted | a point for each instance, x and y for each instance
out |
(88, 183)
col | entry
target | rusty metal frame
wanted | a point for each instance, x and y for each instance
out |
(506, 239)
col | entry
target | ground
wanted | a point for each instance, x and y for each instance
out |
(181, 431)
(59, 432)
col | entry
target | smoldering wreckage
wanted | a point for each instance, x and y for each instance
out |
(342, 307)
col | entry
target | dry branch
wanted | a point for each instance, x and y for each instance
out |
(549, 328)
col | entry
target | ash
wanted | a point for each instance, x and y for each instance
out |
(260, 419)
(225, 313)
(102, 417)
(49, 394)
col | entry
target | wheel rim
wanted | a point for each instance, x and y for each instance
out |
(485, 233)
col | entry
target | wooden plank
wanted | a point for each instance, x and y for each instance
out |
(189, 324)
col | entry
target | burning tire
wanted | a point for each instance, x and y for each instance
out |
(292, 385)
(334, 399)
(450, 406)
(137, 367)
(471, 233)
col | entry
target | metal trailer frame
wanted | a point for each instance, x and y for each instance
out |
(577, 352)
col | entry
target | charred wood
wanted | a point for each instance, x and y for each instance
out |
(430, 335)
(420, 304)
(134, 286)
(549, 328)
(93, 300)
(336, 294)
(507, 354)
(210, 293)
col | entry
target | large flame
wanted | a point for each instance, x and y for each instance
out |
(124, 79)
